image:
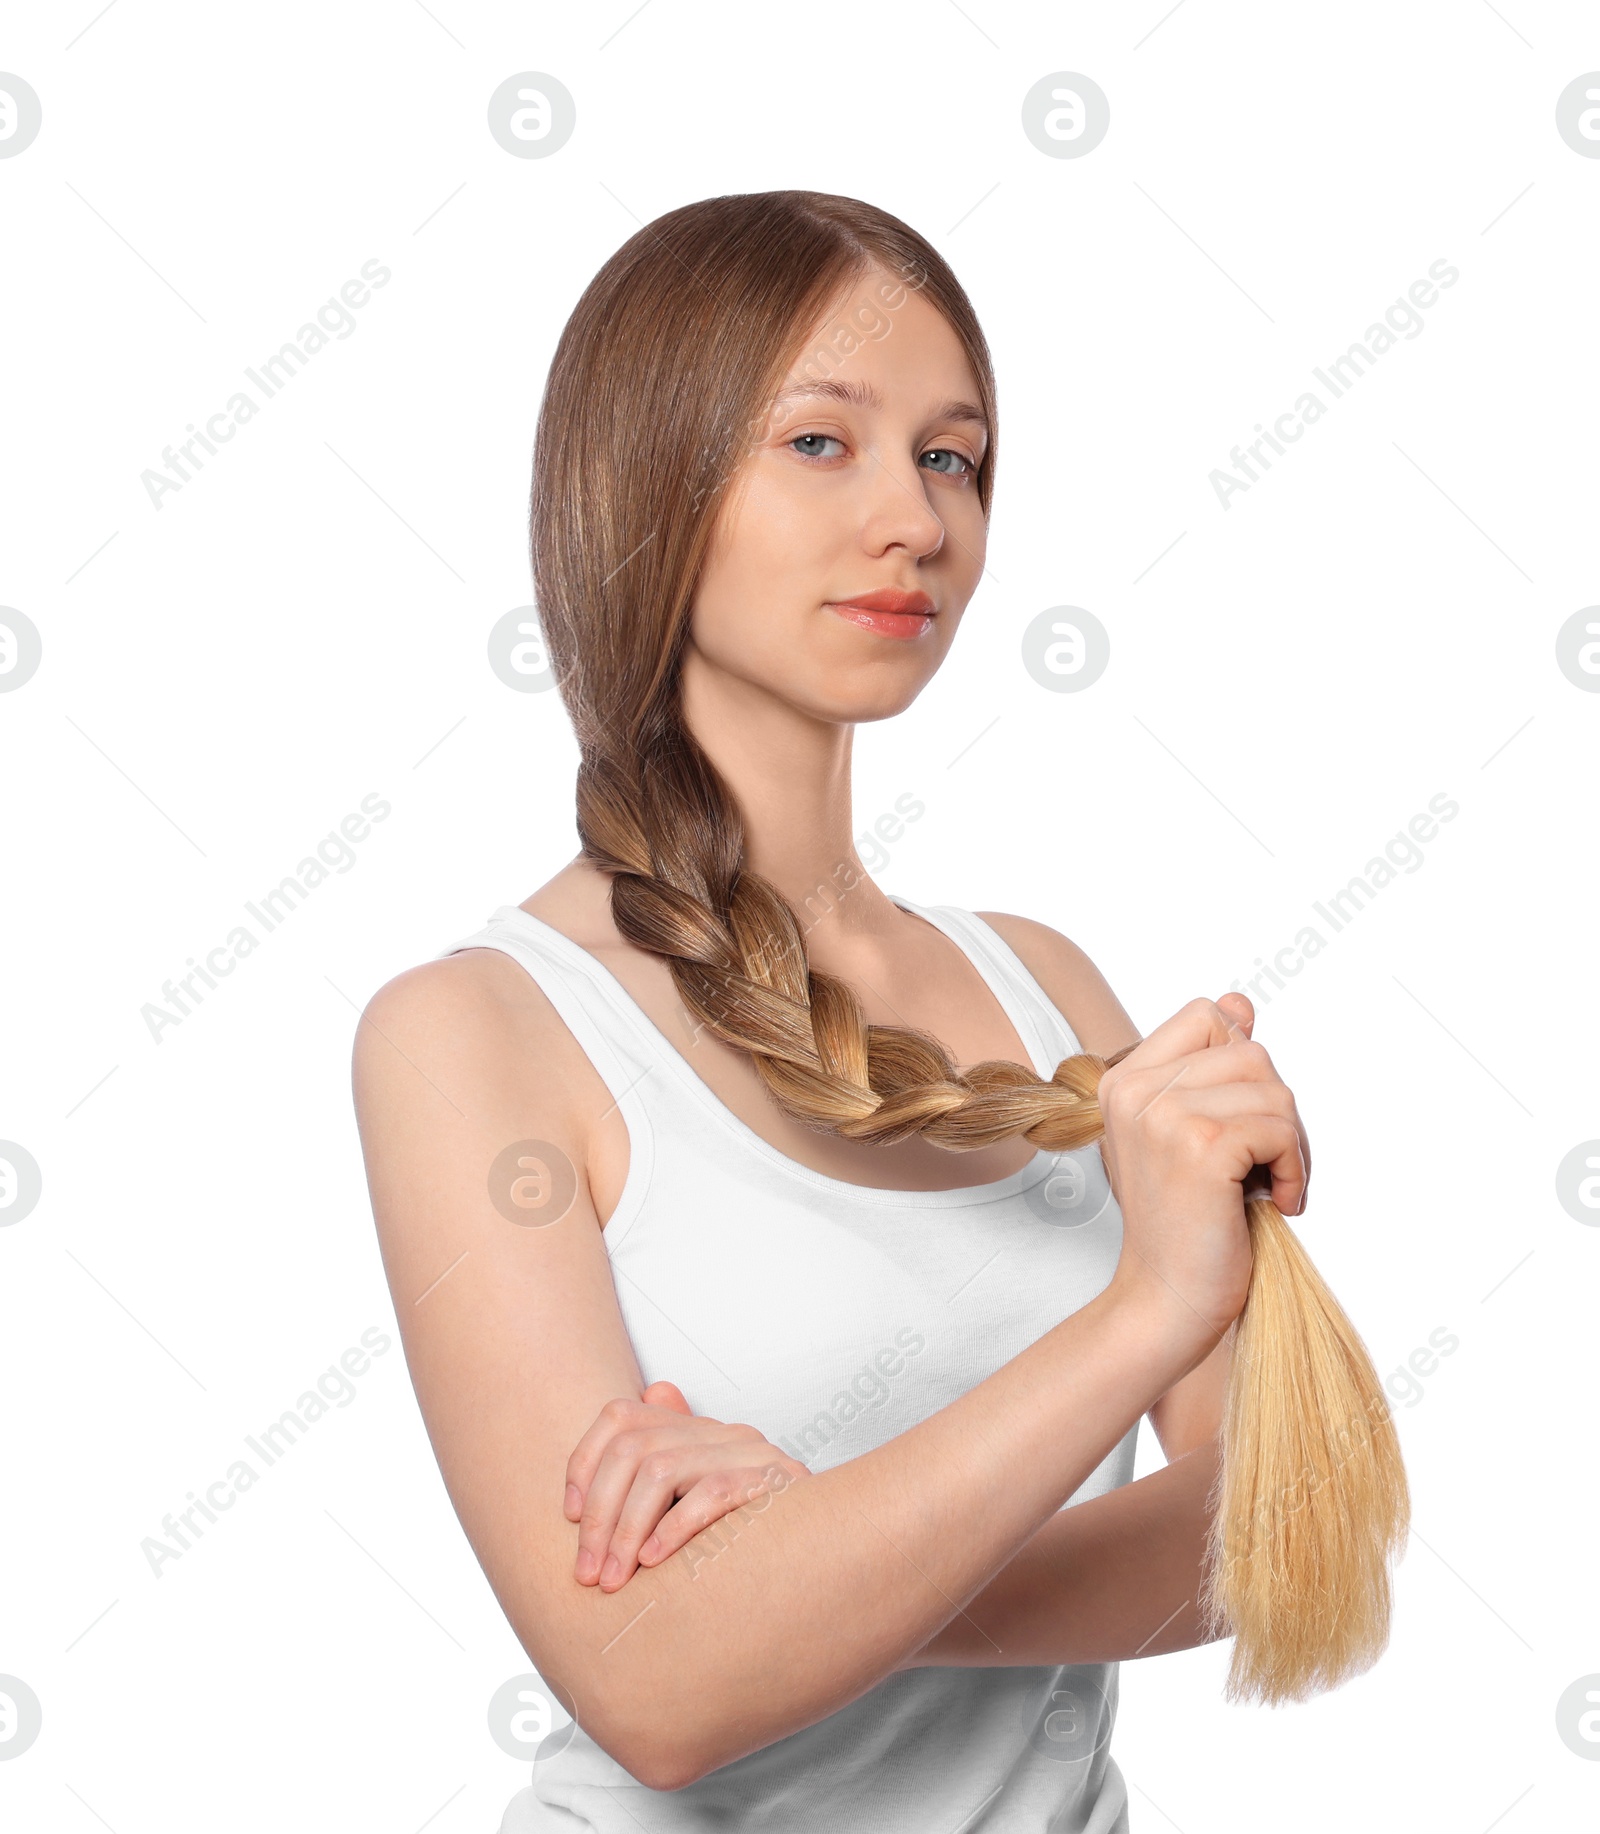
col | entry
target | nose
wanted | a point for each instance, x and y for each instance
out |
(897, 510)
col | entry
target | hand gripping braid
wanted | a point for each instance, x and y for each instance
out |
(1310, 1503)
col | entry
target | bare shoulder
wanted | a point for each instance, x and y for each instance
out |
(475, 1035)
(460, 1005)
(473, 1018)
(1075, 986)
(476, 982)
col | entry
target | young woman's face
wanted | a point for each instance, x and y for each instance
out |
(863, 481)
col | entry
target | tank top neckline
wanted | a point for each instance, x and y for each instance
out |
(660, 1049)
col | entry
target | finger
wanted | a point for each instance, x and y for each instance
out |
(607, 1495)
(638, 1475)
(1254, 1063)
(1240, 1060)
(1244, 1060)
(683, 1521)
(615, 1417)
(716, 1495)
(672, 1468)
(650, 1498)
(1236, 1007)
(1195, 1027)
(1168, 1087)
(1272, 1141)
(1240, 1103)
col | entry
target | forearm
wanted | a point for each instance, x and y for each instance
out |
(793, 1606)
(1105, 1581)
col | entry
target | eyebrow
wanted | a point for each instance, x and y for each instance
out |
(863, 394)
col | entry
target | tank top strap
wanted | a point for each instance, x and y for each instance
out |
(1040, 1023)
(585, 996)
(625, 1047)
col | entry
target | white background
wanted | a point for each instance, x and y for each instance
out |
(1292, 678)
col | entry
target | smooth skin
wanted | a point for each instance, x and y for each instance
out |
(950, 1540)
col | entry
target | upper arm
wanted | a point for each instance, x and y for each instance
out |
(1190, 1412)
(511, 1328)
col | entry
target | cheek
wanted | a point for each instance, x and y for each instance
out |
(967, 538)
(767, 572)
(746, 633)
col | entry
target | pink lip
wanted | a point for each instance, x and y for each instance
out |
(903, 616)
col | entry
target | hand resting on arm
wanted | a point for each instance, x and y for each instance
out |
(514, 1343)
(1111, 1579)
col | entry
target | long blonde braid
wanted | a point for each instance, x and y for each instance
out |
(676, 347)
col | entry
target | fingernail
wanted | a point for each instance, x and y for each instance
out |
(650, 1549)
(586, 1564)
(611, 1571)
(574, 1499)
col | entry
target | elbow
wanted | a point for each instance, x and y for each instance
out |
(671, 1775)
(657, 1764)
(659, 1756)
(652, 1753)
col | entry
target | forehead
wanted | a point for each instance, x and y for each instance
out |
(880, 341)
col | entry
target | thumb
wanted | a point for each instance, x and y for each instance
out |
(1237, 1007)
(666, 1394)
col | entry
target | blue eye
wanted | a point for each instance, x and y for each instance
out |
(818, 458)
(813, 457)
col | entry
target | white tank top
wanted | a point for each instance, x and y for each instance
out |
(833, 1316)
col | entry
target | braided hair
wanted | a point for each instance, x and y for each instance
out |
(677, 343)
(674, 352)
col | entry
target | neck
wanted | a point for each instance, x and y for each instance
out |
(790, 774)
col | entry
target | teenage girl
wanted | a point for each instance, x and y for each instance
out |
(711, 1116)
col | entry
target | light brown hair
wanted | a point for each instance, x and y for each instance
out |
(663, 376)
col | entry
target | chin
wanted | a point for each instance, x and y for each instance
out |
(867, 695)
(865, 681)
